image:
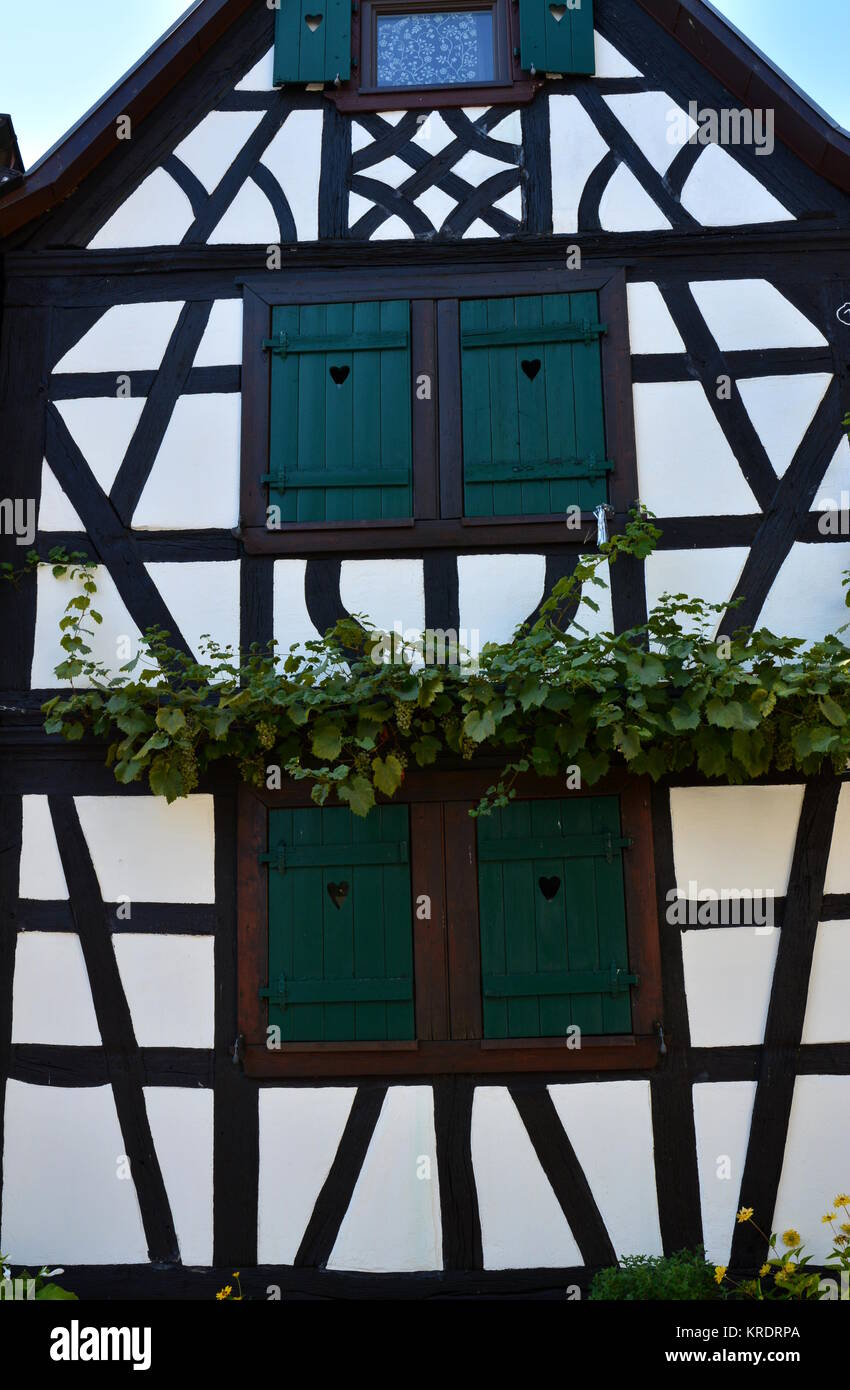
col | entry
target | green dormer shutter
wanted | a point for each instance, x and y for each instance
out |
(557, 35)
(312, 41)
(340, 925)
(553, 919)
(340, 437)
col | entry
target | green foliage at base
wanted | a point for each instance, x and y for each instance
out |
(657, 1278)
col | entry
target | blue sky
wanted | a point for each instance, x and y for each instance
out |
(57, 57)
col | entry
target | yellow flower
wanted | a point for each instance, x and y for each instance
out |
(789, 1268)
(842, 1200)
(790, 1237)
(745, 1214)
(845, 1226)
(225, 1292)
(764, 1271)
(830, 1216)
(780, 1276)
(720, 1273)
(236, 1273)
(842, 1241)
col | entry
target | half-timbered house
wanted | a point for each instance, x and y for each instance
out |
(372, 268)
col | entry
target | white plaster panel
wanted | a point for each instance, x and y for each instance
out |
(836, 482)
(386, 591)
(300, 1130)
(393, 229)
(181, 1122)
(782, 408)
(435, 204)
(128, 337)
(651, 326)
(393, 117)
(815, 1166)
(576, 147)
(293, 626)
(51, 998)
(478, 228)
(55, 512)
(221, 345)
(807, 599)
(194, 482)
(610, 61)
(748, 315)
(210, 149)
(41, 875)
(827, 1016)
(494, 598)
(508, 129)
(103, 428)
(169, 982)
(720, 192)
(476, 168)
(391, 171)
(157, 213)
(250, 220)
(52, 598)
(717, 841)
(838, 867)
(295, 158)
(722, 1116)
(148, 851)
(656, 124)
(357, 206)
(708, 574)
(360, 137)
(522, 1224)
(511, 203)
(393, 1221)
(260, 78)
(203, 599)
(685, 465)
(610, 1128)
(63, 1201)
(625, 206)
(728, 976)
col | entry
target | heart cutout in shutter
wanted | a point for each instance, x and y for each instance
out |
(530, 367)
(549, 886)
(312, 21)
(557, 12)
(339, 374)
(337, 892)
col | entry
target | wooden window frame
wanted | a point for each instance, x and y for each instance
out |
(438, 519)
(446, 948)
(512, 85)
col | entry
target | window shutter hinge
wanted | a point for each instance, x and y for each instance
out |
(279, 343)
(276, 859)
(623, 842)
(275, 994)
(620, 980)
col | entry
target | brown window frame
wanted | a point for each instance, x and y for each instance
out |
(438, 520)
(511, 85)
(446, 948)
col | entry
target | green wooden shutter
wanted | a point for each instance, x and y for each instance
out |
(340, 925)
(553, 919)
(340, 438)
(312, 41)
(556, 35)
(533, 416)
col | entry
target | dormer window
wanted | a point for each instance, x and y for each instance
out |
(442, 46)
(377, 55)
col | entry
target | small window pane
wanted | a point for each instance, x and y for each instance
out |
(435, 50)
